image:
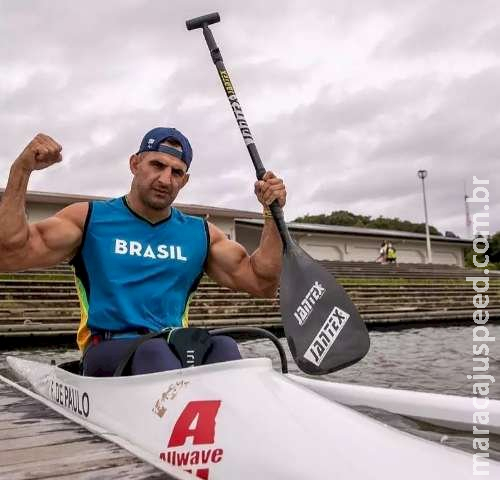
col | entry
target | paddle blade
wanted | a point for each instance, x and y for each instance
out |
(323, 327)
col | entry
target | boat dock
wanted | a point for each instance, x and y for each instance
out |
(36, 443)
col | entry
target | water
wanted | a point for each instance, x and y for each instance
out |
(424, 359)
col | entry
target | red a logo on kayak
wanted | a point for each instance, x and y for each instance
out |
(197, 424)
(203, 430)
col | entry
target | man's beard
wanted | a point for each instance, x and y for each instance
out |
(155, 203)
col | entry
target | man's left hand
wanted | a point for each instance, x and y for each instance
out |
(270, 188)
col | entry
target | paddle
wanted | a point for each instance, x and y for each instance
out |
(322, 326)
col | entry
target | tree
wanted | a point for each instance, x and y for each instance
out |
(348, 219)
(494, 250)
(493, 253)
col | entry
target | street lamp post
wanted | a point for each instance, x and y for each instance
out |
(422, 174)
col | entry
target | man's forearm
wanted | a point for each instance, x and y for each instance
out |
(14, 230)
(267, 259)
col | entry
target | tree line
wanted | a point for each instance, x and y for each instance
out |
(348, 219)
(493, 253)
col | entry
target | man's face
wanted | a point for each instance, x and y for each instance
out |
(158, 178)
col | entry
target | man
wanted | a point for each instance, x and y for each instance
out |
(391, 253)
(382, 253)
(137, 260)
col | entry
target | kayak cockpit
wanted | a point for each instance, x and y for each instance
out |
(72, 367)
(75, 366)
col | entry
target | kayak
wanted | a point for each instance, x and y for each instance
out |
(449, 411)
(241, 419)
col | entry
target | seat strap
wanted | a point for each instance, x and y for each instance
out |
(190, 345)
(123, 367)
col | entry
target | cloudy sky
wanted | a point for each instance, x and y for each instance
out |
(346, 99)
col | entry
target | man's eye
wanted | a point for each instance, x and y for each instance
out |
(178, 173)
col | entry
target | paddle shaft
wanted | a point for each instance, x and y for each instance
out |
(276, 210)
(323, 327)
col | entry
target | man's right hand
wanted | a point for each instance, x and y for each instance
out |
(42, 152)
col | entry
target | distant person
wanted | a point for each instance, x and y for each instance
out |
(391, 255)
(382, 253)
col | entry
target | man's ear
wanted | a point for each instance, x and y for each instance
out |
(134, 162)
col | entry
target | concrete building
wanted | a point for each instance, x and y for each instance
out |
(40, 205)
(323, 242)
(335, 242)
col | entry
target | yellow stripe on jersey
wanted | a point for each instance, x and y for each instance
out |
(185, 315)
(83, 335)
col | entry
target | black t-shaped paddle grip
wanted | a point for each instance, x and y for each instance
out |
(198, 22)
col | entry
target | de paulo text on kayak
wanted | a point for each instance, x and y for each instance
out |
(70, 398)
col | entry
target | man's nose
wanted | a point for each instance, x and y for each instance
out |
(166, 176)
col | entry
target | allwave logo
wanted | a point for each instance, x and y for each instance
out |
(306, 306)
(192, 442)
(326, 337)
(160, 252)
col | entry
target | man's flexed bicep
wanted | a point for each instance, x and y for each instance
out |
(48, 242)
(230, 265)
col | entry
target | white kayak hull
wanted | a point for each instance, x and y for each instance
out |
(244, 420)
(449, 411)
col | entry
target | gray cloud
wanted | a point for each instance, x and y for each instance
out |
(346, 100)
(439, 26)
(489, 40)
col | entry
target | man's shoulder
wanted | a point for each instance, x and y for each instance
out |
(79, 212)
(184, 217)
(109, 201)
(78, 207)
(76, 213)
(215, 233)
(110, 206)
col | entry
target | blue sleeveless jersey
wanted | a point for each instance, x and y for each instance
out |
(132, 274)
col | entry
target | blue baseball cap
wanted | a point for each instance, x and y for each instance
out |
(153, 139)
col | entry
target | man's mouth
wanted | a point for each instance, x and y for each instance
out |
(163, 193)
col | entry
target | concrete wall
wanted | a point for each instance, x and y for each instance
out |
(39, 211)
(352, 248)
(318, 245)
(452, 255)
(249, 237)
(358, 248)
(225, 224)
